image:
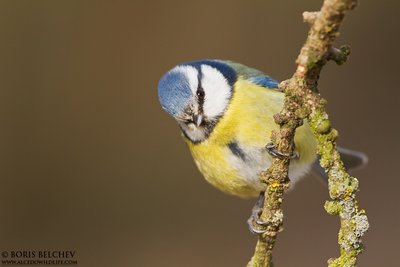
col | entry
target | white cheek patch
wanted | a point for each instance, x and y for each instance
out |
(191, 74)
(216, 90)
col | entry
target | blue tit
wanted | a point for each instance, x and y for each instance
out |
(225, 112)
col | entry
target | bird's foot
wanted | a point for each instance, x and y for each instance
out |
(273, 151)
(256, 225)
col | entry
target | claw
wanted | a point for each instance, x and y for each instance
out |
(253, 229)
(273, 151)
(260, 222)
(256, 225)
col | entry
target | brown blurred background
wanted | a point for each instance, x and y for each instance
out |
(90, 162)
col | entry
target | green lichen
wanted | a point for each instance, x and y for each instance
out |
(302, 101)
(312, 61)
(346, 259)
(324, 127)
(332, 207)
(302, 113)
(342, 190)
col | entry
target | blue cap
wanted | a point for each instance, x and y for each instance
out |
(174, 92)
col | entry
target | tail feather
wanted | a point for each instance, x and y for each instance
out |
(352, 160)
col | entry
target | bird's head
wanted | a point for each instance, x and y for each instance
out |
(196, 94)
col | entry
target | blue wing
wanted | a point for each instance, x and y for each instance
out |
(264, 81)
(253, 75)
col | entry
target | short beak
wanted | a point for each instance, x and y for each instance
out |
(198, 119)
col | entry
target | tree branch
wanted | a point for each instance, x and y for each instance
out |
(302, 101)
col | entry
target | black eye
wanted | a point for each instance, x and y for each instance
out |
(200, 93)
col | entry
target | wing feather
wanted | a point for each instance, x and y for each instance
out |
(253, 75)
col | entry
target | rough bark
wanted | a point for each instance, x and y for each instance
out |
(303, 101)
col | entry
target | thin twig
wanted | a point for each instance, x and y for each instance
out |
(302, 101)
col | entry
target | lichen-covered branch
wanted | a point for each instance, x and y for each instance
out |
(302, 101)
(342, 190)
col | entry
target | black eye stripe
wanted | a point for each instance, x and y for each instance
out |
(200, 93)
(200, 98)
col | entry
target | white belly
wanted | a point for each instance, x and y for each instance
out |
(255, 160)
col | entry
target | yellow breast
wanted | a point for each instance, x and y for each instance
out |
(247, 123)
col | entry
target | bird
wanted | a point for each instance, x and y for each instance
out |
(225, 112)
